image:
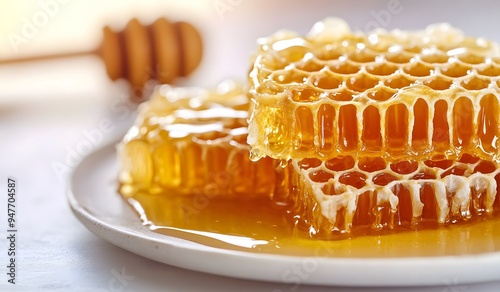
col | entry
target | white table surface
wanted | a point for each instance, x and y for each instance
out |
(46, 107)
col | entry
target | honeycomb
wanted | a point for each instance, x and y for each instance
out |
(188, 141)
(431, 94)
(379, 132)
(342, 194)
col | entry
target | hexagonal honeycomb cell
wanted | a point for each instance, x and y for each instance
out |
(431, 94)
(189, 141)
(345, 196)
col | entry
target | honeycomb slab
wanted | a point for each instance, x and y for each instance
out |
(341, 195)
(397, 95)
(188, 141)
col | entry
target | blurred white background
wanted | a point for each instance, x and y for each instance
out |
(46, 107)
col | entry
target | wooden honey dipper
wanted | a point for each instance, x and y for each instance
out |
(160, 51)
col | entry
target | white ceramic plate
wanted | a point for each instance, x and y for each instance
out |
(93, 199)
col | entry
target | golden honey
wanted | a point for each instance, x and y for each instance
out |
(326, 199)
(397, 95)
(261, 226)
(392, 134)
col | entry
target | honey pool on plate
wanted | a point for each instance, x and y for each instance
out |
(262, 226)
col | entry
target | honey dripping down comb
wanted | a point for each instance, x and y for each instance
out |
(347, 196)
(397, 95)
(139, 53)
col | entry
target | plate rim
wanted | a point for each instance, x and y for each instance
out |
(105, 230)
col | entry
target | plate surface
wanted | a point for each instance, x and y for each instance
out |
(93, 198)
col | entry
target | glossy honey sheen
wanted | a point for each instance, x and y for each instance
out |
(261, 226)
(191, 142)
(188, 140)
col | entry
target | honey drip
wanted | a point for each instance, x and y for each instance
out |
(343, 197)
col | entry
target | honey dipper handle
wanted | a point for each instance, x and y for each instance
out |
(46, 57)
